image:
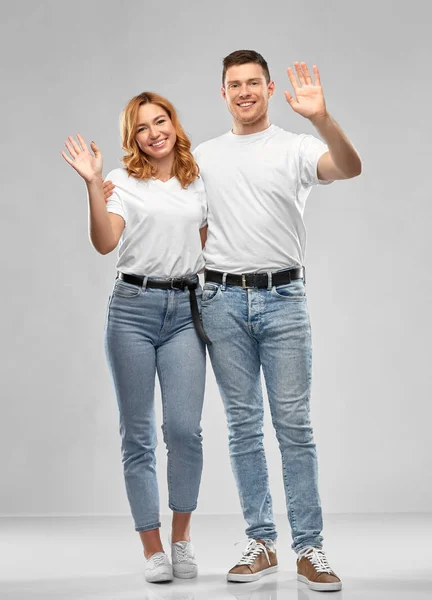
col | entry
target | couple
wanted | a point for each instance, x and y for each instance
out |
(254, 180)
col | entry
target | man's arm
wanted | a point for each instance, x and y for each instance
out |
(342, 160)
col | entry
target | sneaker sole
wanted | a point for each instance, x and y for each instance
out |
(320, 587)
(240, 578)
(186, 574)
(160, 577)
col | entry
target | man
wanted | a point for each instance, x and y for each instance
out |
(254, 310)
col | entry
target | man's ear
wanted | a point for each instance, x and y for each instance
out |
(223, 92)
(271, 88)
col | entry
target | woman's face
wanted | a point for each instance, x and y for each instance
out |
(155, 133)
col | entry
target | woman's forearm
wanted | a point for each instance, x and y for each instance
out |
(100, 228)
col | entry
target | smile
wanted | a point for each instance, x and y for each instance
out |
(246, 104)
(158, 144)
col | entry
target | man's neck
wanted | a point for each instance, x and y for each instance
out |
(247, 128)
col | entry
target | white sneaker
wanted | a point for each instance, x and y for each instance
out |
(158, 568)
(184, 563)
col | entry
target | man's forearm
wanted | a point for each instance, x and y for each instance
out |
(343, 153)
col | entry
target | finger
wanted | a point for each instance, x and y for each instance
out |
(94, 148)
(66, 157)
(300, 73)
(74, 144)
(289, 98)
(82, 142)
(316, 75)
(71, 150)
(292, 78)
(307, 75)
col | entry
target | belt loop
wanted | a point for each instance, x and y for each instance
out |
(223, 286)
(144, 283)
(270, 280)
(304, 275)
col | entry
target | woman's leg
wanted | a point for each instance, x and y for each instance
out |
(132, 361)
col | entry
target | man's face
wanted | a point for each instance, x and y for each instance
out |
(247, 93)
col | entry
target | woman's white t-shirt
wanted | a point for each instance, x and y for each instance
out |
(162, 221)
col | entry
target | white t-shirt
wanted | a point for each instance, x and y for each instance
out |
(256, 188)
(161, 236)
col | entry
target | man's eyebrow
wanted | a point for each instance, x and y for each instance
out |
(155, 119)
(247, 80)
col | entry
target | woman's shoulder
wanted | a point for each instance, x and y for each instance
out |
(118, 175)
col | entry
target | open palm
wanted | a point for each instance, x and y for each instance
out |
(308, 100)
(88, 165)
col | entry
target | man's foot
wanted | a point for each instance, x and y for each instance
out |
(258, 559)
(314, 570)
(183, 560)
(158, 568)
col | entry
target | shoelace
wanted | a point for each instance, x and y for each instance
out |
(183, 552)
(158, 559)
(251, 552)
(317, 558)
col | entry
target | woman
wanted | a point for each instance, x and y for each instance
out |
(156, 212)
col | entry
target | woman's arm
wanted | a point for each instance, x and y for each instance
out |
(105, 228)
(203, 234)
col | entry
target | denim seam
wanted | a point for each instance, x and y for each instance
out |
(165, 423)
(181, 510)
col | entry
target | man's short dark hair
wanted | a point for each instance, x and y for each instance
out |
(242, 57)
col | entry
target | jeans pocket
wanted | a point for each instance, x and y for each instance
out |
(210, 292)
(107, 312)
(125, 290)
(291, 291)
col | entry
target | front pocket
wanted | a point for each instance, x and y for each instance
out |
(210, 291)
(125, 290)
(290, 291)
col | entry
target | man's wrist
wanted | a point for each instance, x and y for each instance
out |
(321, 120)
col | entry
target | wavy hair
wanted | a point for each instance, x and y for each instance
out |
(136, 162)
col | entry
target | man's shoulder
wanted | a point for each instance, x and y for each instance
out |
(212, 143)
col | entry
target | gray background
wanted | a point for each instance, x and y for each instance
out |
(72, 66)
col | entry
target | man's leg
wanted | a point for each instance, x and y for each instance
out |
(235, 360)
(286, 356)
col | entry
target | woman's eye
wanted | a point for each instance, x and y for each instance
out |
(161, 121)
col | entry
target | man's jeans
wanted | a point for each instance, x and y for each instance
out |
(250, 328)
(148, 331)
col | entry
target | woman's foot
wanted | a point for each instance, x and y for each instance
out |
(158, 568)
(184, 563)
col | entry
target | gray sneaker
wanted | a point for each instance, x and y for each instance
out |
(184, 563)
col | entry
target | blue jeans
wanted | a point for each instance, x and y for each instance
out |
(268, 328)
(147, 331)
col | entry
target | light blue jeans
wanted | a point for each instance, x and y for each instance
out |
(270, 329)
(147, 331)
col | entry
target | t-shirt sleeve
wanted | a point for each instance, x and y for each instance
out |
(310, 151)
(114, 203)
(203, 201)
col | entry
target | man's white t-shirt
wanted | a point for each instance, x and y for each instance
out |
(257, 186)
(162, 221)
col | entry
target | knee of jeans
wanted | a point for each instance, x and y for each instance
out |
(179, 436)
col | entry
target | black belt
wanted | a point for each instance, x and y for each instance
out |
(177, 283)
(256, 280)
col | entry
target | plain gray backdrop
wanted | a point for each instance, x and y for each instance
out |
(72, 66)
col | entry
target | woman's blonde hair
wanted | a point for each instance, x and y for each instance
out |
(136, 161)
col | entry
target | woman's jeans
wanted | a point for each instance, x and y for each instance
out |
(259, 328)
(147, 331)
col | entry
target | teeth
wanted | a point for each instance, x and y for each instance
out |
(158, 143)
(246, 104)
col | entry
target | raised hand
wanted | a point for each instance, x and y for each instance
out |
(308, 100)
(89, 166)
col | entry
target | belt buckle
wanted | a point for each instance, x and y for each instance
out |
(244, 286)
(176, 287)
